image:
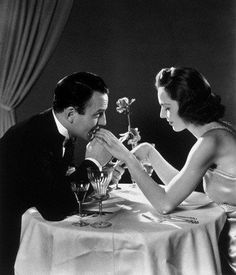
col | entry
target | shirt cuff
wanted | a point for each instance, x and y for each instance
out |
(95, 162)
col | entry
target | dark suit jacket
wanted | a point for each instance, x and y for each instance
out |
(32, 173)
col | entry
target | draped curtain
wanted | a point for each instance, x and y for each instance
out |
(29, 32)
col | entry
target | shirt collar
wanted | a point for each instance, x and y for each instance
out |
(61, 129)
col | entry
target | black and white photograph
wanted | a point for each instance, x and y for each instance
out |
(117, 137)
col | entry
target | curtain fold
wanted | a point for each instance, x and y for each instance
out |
(29, 32)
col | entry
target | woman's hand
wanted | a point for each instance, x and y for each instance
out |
(96, 151)
(112, 144)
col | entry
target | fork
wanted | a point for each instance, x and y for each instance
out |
(179, 218)
(162, 218)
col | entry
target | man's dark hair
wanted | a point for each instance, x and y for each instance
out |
(197, 103)
(76, 90)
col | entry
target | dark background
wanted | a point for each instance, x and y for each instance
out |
(127, 42)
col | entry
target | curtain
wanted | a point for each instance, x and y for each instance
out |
(29, 32)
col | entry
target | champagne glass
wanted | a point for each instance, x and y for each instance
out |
(100, 181)
(80, 189)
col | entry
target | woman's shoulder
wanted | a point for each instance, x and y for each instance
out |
(220, 132)
(214, 140)
(220, 139)
(206, 145)
(222, 126)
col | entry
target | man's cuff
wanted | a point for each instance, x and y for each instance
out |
(95, 162)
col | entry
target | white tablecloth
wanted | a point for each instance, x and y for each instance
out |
(133, 244)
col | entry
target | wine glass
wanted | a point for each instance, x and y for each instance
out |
(110, 166)
(100, 181)
(147, 167)
(80, 188)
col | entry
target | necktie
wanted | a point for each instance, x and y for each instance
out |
(69, 152)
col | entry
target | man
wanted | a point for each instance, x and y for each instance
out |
(33, 162)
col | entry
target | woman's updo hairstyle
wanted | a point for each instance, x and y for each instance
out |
(197, 103)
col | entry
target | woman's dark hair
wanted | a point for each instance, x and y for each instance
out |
(197, 103)
(76, 90)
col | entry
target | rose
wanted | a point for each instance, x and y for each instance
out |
(132, 135)
(123, 105)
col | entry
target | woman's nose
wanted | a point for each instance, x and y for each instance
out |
(162, 114)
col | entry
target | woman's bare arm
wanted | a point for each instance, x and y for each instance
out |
(180, 186)
(164, 170)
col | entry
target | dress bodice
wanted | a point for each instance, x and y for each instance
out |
(220, 187)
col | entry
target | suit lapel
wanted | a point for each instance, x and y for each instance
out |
(50, 132)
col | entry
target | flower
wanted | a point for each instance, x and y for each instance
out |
(132, 135)
(123, 105)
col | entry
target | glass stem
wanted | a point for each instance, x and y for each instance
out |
(100, 208)
(80, 209)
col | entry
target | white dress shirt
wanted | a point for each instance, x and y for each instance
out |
(63, 131)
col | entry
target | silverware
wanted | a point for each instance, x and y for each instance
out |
(177, 218)
(149, 218)
(181, 218)
(95, 212)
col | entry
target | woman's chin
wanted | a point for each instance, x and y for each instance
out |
(177, 129)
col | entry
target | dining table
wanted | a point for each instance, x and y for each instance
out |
(140, 240)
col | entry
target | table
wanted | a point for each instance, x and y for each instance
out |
(133, 244)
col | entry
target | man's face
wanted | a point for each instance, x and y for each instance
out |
(94, 115)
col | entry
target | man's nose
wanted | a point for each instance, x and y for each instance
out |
(102, 120)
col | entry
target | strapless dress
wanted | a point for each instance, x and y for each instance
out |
(221, 188)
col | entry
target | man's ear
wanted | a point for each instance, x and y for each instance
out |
(70, 113)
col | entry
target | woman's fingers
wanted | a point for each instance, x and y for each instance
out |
(107, 137)
(103, 143)
(112, 144)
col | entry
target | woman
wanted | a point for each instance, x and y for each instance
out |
(187, 102)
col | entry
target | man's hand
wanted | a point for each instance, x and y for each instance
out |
(97, 151)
